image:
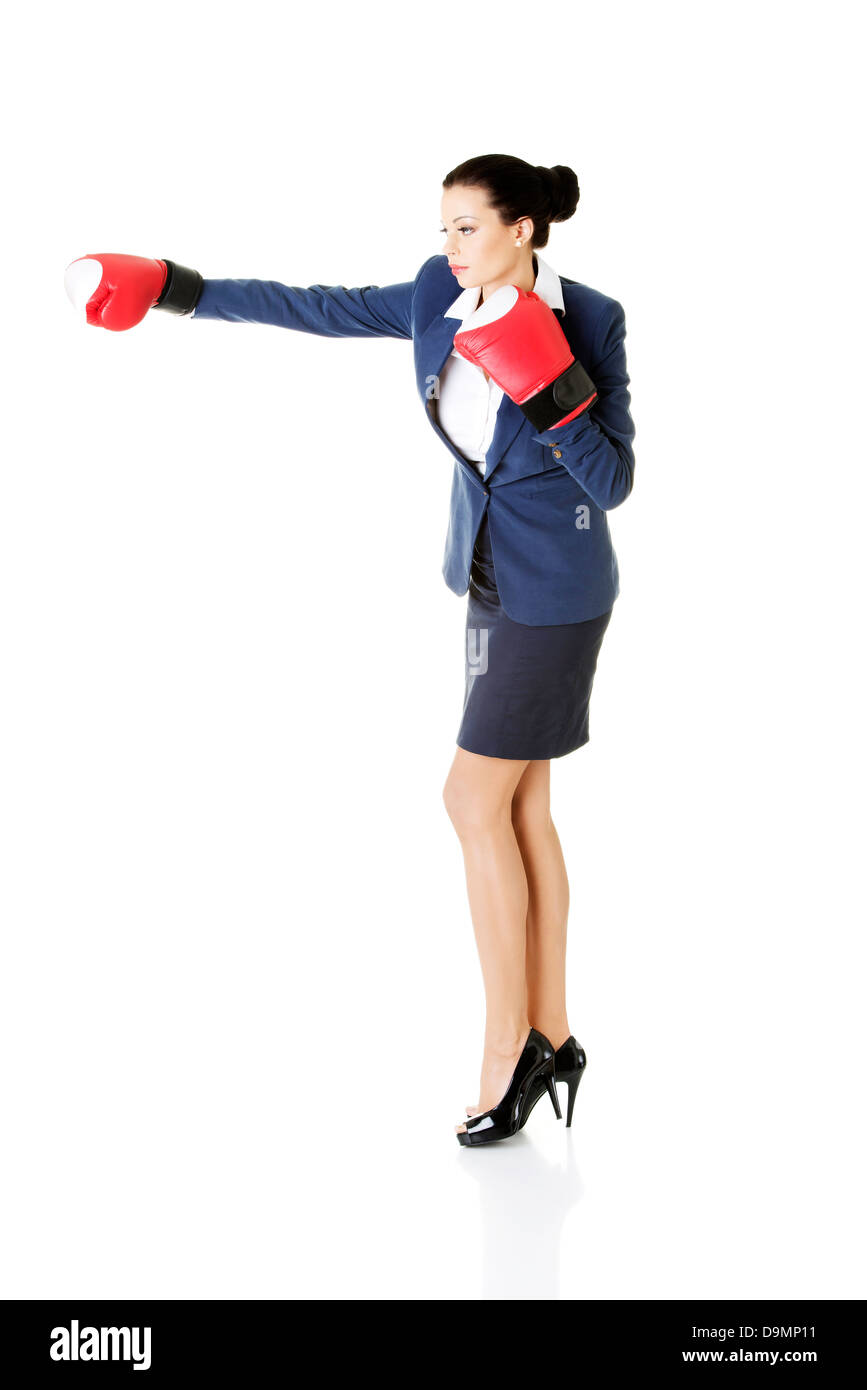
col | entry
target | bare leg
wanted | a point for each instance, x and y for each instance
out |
(547, 904)
(478, 798)
(548, 908)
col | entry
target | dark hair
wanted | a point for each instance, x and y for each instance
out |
(518, 189)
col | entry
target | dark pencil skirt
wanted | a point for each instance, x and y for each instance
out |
(527, 688)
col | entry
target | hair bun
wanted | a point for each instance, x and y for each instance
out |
(562, 185)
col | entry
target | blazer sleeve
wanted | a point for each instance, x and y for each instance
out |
(597, 445)
(332, 311)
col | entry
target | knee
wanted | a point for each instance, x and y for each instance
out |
(467, 810)
(454, 798)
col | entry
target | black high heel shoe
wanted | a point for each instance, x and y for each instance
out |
(533, 1074)
(569, 1063)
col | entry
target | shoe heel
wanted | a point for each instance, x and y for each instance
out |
(572, 1083)
(552, 1092)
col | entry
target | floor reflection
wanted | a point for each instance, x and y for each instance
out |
(525, 1193)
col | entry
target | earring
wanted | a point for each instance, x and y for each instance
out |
(519, 243)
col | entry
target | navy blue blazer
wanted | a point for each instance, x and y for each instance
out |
(547, 493)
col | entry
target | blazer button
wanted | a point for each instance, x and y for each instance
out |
(557, 454)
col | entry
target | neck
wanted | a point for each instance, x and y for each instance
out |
(524, 278)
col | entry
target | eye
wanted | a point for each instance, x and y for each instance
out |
(460, 229)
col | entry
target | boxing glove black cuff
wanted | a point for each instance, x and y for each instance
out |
(563, 395)
(182, 289)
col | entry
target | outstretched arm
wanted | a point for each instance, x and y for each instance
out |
(116, 291)
(332, 311)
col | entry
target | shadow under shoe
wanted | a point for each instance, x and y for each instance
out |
(533, 1074)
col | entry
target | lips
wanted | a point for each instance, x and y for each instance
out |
(456, 268)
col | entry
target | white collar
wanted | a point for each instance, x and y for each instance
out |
(547, 287)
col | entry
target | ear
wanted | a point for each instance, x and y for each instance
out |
(524, 230)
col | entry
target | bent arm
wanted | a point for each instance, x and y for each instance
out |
(332, 311)
(596, 447)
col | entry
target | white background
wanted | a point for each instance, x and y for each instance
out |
(241, 1005)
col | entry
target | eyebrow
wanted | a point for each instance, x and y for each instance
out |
(463, 214)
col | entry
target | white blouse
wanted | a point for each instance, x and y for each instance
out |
(468, 401)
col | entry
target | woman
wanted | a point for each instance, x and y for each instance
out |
(523, 375)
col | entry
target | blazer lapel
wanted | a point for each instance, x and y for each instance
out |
(433, 350)
(510, 418)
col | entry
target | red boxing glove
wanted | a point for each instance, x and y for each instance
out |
(515, 337)
(116, 291)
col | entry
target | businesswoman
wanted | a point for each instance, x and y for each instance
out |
(522, 373)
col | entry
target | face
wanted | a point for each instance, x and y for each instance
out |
(483, 249)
